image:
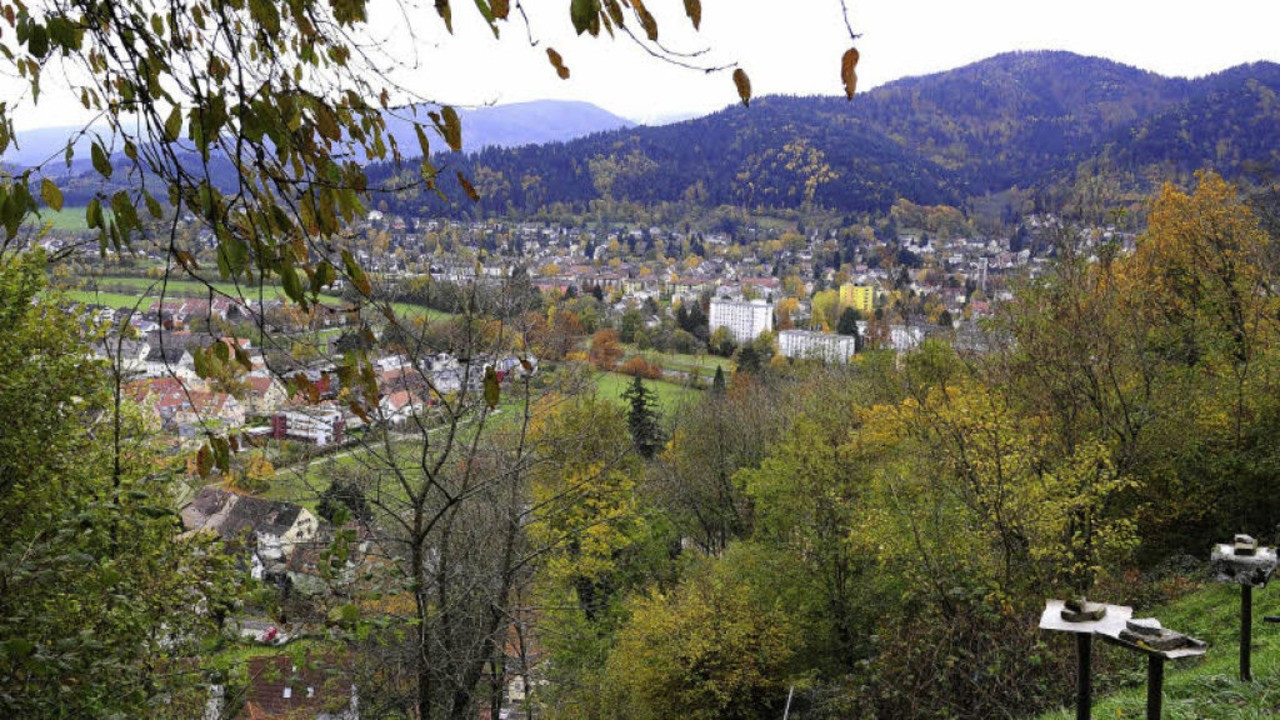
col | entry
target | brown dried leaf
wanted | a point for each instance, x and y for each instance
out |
(744, 86)
(558, 63)
(647, 21)
(468, 187)
(847, 74)
(693, 8)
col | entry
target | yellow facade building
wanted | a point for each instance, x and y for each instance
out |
(859, 297)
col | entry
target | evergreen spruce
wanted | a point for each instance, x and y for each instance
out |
(642, 418)
(717, 383)
(848, 325)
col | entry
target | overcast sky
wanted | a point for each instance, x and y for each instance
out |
(794, 46)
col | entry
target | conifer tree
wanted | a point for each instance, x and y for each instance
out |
(642, 418)
(848, 324)
(717, 383)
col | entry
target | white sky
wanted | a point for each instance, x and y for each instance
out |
(791, 46)
(794, 46)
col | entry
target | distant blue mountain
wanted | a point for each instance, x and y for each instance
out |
(501, 126)
(514, 125)
(33, 147)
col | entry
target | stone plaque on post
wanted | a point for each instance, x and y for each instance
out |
(1084, 619)
(1242, 562)
(1158, 643)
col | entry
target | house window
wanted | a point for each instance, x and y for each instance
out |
(288, 692)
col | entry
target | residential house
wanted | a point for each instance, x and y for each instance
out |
(264, 395)
(274, 529)
(168, 361)
(319, 425)
(129, 356)
(399, 406)
(207, 409)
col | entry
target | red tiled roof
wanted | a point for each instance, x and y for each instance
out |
(279, 689)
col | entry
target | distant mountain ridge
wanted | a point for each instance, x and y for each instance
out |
(1021, 119)
(516, 124)
(506, 126)
(1037, 121)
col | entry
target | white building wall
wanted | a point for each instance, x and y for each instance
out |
(824, 346)
(744, 320)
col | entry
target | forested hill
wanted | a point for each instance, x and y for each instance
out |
(1027, 119)
(1231, 123)
(1018, 117)
(779, 152)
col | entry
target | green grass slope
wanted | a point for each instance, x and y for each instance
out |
(668, 395)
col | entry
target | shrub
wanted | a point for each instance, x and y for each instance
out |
(638, 366)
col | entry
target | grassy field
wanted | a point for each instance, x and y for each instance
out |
(302, 484)
(1204, 689)
(195, 288)
(669, 395)
(405, 310)
(703, 366)
(115, 300)
(68, 218)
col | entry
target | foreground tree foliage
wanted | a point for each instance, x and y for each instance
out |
(102, 606)
(708, 650)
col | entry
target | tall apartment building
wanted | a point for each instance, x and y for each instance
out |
(816, 345)
(744, 319)
(859, 297)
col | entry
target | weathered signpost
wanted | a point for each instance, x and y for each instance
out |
(1085, 619)
(1115, 623)
(1245, 564)
(1159, 644)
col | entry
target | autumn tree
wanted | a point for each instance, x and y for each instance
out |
(807, 499)
(605, 350)
(722, 342)
(589, 521)
(707, 650)
(826, 310)
(711, 439)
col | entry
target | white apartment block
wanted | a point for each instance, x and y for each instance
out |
(816, 345)
(744, 319)
(901, 337)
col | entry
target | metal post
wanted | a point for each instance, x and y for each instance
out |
(1246, 632)
(1155, 686)
(1084, 676)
